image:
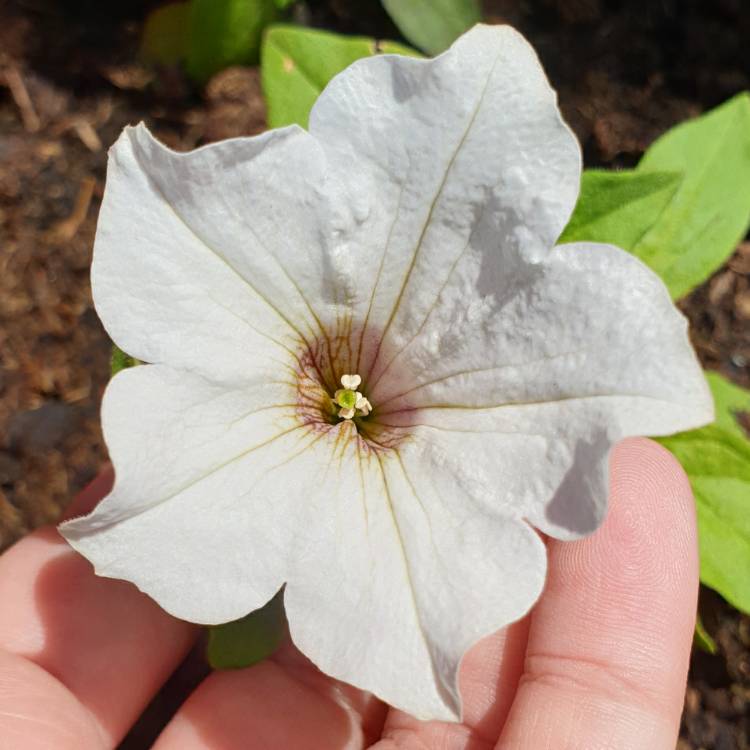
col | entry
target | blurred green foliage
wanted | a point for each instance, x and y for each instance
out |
(433, 25)
(207, 36)
(165, 34)
(717, 461)
(224, 33)
(297, 63)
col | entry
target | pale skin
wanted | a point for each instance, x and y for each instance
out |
(601, 662)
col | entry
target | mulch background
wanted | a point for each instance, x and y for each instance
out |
(625, 71)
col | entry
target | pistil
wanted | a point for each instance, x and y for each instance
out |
(350, 401)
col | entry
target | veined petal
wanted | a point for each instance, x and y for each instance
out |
(412, 572)
(393, 567)
(432, 151)
(216, 259)
(547, 369)
(210, 484)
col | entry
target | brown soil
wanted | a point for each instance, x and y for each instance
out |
(625, 72)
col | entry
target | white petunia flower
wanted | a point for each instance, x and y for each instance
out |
(371, 370)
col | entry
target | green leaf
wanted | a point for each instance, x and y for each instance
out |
(718, 465)
(120, 361)
(729, 400)
(224, 33)
(710, 211)
(297, 64)
(433, 25)
(717, 461)
(702, 638)
(619, 207)
(248, 640)
(284, 4)
(164, 37)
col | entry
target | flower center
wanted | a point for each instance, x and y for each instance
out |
(331, 395)
(350, 400)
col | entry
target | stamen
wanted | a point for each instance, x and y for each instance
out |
(350, 382)
(351, 401)
(363, 405)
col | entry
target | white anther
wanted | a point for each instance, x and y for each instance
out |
(363, 405)
(346, 413)
(350, 382)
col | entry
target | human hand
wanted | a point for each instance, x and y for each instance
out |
(600, 662)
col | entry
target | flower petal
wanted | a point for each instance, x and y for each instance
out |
(198, 252)
(427, 150)
(199, 517)
(546, 365)
(392, 570)
(412, 572)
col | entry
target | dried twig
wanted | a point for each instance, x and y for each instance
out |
(67, 228)
(85, 131)
(14, 81)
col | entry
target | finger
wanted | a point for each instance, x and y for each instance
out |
(279, 703)
(37, 712)
(108, 644)
(487, 682)
(610, 639)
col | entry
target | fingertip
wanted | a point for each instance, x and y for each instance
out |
(651, 526)
(645, 464)
(641, 566)
(264, 706)
(610, 638)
